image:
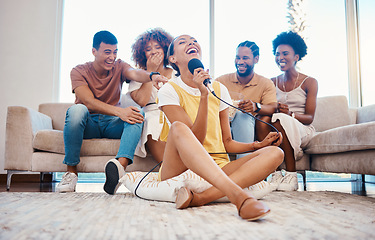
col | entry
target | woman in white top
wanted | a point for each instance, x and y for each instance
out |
(199, 125)
(296, 96)
(149, 52)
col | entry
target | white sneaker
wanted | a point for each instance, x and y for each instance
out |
(289, 182)
(114, 171)
(275, 180)
(68, 183)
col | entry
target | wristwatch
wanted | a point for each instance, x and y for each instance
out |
(153, 73)
(258, 106)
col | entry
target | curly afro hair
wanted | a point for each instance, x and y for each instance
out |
(292, 39)
(138, 48)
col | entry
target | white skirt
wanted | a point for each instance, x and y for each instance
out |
(298, 134)
(151, 126)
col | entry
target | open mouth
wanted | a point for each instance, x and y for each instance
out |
(282, 64)
(192, 51)
(241, 68)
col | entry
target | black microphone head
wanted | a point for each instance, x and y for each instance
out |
(194, 64)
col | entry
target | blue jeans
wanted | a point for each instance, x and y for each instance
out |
(243, 129)
(80, 124)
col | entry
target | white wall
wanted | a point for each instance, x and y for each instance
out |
(30, 36)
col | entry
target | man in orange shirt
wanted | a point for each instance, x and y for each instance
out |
(259, 94)
(97, 112)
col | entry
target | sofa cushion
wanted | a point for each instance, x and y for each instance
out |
(53, 141)
(366, 114)
(57, 112)
(343, 139)
(331, 112)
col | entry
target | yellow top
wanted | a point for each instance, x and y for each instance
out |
(213, 142)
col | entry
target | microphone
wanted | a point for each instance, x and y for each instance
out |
(196, 63)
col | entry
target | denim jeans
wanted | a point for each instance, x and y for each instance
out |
(80, 124)
(243, 129)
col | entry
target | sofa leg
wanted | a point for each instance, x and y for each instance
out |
(42, 176)
(9, 177)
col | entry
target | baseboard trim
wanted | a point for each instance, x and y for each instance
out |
(26, 178)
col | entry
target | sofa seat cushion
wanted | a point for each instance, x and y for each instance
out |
(53, 141)
(343, 139)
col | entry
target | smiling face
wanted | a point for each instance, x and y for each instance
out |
(285, 57)
(152, 48)
(245, 61)
(185, 48)
(105, 56)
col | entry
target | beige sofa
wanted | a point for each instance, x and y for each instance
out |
(345, 141)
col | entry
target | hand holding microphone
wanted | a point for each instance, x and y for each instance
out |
(195, 64)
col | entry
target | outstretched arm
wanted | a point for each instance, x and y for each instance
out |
(143, 94)
(143, 76)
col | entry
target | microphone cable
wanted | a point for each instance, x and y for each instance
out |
(214, 94)
(257, 119)
(135, 190)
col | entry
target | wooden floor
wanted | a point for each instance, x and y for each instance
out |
(356, 187)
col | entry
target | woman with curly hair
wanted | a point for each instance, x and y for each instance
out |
(296, 96)
(149, 53)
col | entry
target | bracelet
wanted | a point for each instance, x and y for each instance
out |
(153, 73)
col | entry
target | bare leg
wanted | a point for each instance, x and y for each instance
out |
(262, 129)
(290, 162)
(72, 169)
(156, 148)
(178, 157)
(245, 172)
(124, 161)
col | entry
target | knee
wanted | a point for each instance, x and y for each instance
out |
(274, 153)
(262, 126)
(77, 112)
(278, 154)
(278, 125)
(178, 129)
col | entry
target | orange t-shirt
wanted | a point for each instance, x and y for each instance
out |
(259, 89)
(106, 89)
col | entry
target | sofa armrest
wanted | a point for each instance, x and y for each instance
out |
(366, 114)
(21, 125)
